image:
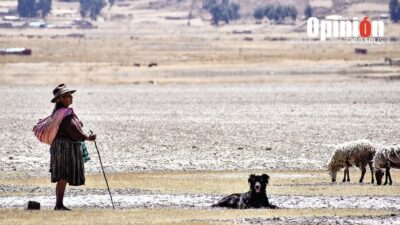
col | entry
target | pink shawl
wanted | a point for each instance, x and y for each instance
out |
(46, 129)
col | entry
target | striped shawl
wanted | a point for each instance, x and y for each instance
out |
(46, 129)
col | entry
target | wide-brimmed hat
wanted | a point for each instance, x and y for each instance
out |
(61, 89)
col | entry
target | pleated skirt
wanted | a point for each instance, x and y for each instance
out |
(66, 162)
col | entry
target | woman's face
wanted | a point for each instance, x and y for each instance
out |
(66, 99)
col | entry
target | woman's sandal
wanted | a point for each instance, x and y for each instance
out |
(62, 208)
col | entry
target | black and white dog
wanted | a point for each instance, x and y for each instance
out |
(255, 198)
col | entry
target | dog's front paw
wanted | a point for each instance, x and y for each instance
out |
(273, 207)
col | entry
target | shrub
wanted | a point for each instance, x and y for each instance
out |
(277, 13)
(225, 11)
(91, 8)
(308, 11)
(27, 8)
(394, 10)
(269, 12)
(258, 14)
(292, 12)
(208, 4)
(44, 6)
(31, 8)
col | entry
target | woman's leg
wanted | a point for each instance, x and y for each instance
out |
(60, 190)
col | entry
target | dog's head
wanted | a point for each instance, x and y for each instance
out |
(258, 184)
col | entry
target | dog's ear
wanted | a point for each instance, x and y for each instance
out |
(265, 178)
(251, 178)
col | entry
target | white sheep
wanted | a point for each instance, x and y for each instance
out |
(358, 153)
(386, 158)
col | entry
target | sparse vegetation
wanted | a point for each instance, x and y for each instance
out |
(44, 7)
(207, 4)
(291, 12)
(305, 183)
(394, 10)
(277, 13)
(91, 8)
(308, 11)
(27, 8)
(296, 182)
(259, 14)
(269, 12)
(158, 216)
(31, 8)
(225, 11)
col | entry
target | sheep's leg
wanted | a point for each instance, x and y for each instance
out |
(348, 175)
(386, 175)
(363, 170)
(372, 172)
(390, 176)
(345, 173)
(346, 170)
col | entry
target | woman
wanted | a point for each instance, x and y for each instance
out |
(66, 162)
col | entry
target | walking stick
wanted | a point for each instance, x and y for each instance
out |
(105, 178)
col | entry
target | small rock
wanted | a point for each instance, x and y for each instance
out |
(153, 64)
(32, 205)
(152, 82)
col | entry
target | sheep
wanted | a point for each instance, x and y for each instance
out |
(392, 62)
(358, 153)
(386, 158)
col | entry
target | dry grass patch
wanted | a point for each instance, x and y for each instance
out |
(167, 216)
(147, 37)
(105, 60)
(308, 183)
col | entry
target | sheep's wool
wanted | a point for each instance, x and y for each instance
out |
(356, 153)
(387, 156)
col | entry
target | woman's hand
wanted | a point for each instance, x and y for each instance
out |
(91, 137)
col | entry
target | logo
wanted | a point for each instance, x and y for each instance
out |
(353, 30)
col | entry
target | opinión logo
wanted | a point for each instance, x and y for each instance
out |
(353, 31)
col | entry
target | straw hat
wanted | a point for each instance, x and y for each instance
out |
(60, 90)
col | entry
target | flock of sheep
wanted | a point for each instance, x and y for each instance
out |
(361, 153)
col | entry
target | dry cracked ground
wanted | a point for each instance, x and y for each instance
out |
(232, 127)
(205, 127)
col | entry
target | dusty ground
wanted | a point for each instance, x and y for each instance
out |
(242, 127)
(206, 127)
(185, 197)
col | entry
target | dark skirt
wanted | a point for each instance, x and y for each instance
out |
(66, 162)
